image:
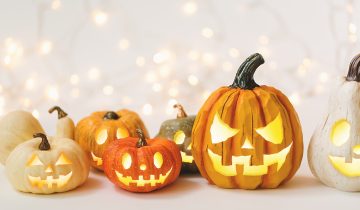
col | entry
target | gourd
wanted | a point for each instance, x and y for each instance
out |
(334, 149)
(140, 164)
(96, 131)
(179, 131)
(15, 128)
(65, 126)
(45, 165)
(247, 136)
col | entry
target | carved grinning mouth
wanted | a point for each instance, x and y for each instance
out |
(49, 181)
(351, 169)
(97, 159)
(249, 170)
(140, 182)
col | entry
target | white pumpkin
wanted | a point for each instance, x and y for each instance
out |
(65, 126)
(15, 128)
(46, 165)
(334, 149)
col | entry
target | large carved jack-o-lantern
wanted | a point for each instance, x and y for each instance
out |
(96, 131)
(334, 149)
(247, 136)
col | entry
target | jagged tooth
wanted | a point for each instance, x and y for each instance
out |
(152, 177)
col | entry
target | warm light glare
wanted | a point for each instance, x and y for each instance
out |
(340, 132)
(220, 131)
(46, 47)
(52, 93)
(140, 61)
(100, 17)
(35, 113)
(161, 56)
(147, 109)
(56, 4)
(274, 131)
(207, 32)
(74, 79)
(108, 90)
(124, 44)
(193, 80)
(93, 73)
(190, 8)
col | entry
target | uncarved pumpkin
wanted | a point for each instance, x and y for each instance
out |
(96, 131)
(247, 136)
(334, 149)
(140, 164)
(15, 128)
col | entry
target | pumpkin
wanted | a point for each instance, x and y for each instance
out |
(65, 126)
(179, 131)
(334, 149)
(140, 164)
(46, 165)
(247, 136)
(15, 128)
(96, 131)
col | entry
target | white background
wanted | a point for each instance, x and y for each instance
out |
(306, 44)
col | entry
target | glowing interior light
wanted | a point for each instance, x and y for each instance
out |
(179, 137)
(158, 160)
(63, 160)
(35, 161)
(356, 149)
(49, 169)
(189, 147)
(186, 158)
(274, 131)
(220, 131)
(49, 181)
(96, 159)
(126, 160)
(141, 182)
(340, 132)
(122, 133)
(347, 169)
(143, 167)
(102, 137)
(247, 144)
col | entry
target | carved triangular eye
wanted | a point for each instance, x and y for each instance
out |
(274, 131)
(63, 160)
(220, 131)
(35, 161)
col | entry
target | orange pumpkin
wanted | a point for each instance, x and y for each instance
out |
(96, 131)
(142, 165)
(247, 136)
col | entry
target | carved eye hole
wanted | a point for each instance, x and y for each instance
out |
(122, 133)
(179, 137)
(102, 137)
(190, 146)
(220, 131)
(158, 160)
(62, 160)
(35, 161)
(274, 131)
(126, 160)
(340, 132)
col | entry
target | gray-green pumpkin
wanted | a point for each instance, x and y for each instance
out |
(179, 131)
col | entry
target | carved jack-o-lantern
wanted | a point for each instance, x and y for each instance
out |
(334, 149)
(179, 131)
(247, 136)
(140, 165)
(96, 131)
(47, 165)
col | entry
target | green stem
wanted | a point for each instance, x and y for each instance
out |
(244, 78)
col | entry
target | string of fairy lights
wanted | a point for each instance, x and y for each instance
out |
(173, 73)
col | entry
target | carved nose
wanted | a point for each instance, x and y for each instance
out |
(356, 149)
(143, 167)
(49, 169)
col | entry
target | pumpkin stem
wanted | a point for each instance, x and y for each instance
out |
(142, 141)
(181, 112)
(44, 145)
(354, 69)
(244, 78)
(60, 112)
(111, 116)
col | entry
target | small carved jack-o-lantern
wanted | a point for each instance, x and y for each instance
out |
(334, 149)
(247, 136)
(95, 132)
(179, 131)
(140, 165)
(47, 165)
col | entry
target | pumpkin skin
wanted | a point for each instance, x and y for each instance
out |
(65, 126)
(179, 131)
(247, 136)
(142, 165)
(47, 165)
(96, 131)
(15, 128)
(333, 153)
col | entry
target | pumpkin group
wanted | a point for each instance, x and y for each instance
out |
(15, 128)
(140, 164)
(46, 165)
(334, 149)
(96, 131)
(247, 136)
(179, 131)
